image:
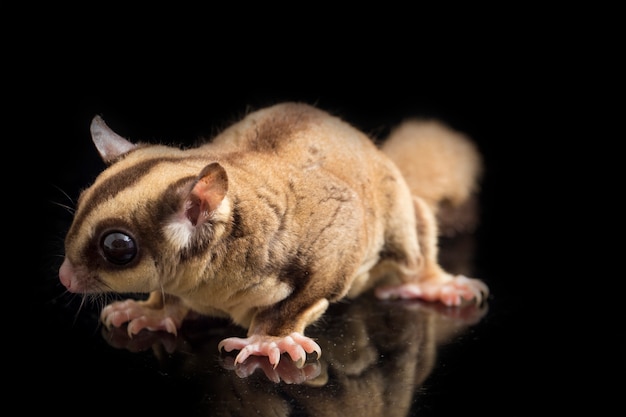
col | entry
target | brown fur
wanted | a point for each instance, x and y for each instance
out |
(448, 174)
(279, 215)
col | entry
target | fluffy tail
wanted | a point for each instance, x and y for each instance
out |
(441, 166)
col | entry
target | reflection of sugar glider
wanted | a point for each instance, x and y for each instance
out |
(279, 215)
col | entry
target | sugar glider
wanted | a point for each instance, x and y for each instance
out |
(280, 214)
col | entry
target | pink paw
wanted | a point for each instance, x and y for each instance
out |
(296, 345)
(451, 292)
(137, 316)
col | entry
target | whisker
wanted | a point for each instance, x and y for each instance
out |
(80, 307)
(65, 194)
(70, 209)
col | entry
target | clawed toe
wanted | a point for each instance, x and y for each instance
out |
(296, 345)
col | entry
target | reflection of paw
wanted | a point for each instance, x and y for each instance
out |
(118, 338)
(450, 292)
(287, 371)
(296, 345)
(468, 313)
(137, 316)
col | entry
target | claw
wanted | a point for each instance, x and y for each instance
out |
(231, 343)
(242, 356)
(170, 326)
(129, 330)
(308, 344)
(274, 357)
(105, 317)
(300, 363)
(296, 345)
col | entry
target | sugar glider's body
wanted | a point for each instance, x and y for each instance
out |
(279, 215)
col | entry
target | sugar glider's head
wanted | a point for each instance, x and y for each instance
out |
(152, 210)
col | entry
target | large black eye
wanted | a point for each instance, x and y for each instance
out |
(118, 248)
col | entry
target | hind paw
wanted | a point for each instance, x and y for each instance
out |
(451, 292)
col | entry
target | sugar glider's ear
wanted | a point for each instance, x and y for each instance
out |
(110, 145)
(207, 193)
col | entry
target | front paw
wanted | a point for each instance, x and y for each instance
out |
(296, 345)
(138, 316)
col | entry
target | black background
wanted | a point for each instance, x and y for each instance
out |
(504, 84)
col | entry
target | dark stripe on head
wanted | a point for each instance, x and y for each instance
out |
(113, 185)
(161, 210)
(237, 231)
(171, 200)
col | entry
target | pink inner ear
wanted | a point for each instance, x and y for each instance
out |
(193, 209)
(207, 193)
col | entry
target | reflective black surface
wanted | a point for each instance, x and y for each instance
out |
(380, 358)
(537, 346)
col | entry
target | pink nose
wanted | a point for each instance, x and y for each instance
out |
(66, 275)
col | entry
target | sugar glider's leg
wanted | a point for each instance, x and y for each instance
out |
(158, 312)
(433, 283)
(280, 329)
